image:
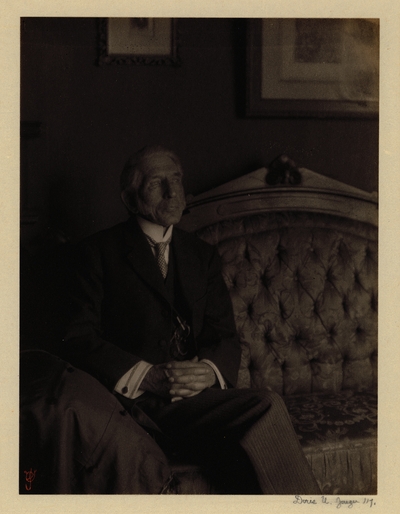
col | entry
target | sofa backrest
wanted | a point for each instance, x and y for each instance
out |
(300, 262)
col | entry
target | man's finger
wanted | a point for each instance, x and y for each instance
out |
(181, 389)
(183, 364)
(185, 393)
(187, 379)
(188, 372)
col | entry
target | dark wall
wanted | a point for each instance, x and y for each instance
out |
(95, 116)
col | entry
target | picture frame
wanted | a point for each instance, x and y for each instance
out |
(309, 67)
(149, 41)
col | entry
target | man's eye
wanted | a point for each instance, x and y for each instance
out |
(154, 183)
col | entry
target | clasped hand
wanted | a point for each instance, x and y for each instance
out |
(179, 379)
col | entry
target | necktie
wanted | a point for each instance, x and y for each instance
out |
(160, 254)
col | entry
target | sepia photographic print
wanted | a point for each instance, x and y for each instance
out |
(199, 215)
(286, 309)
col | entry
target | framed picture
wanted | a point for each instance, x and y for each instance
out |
(138, 41)
(313, 67)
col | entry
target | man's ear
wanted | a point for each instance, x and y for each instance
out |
(128, 199)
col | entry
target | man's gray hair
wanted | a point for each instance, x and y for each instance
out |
(132, 174)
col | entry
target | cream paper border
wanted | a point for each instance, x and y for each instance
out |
(388, 11)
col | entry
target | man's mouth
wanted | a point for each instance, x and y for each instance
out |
(173, 207)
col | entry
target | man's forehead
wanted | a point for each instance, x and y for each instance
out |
(159, 163)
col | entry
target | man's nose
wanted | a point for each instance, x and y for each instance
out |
(169, 189)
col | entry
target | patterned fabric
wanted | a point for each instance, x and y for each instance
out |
(334, 420)
(338, 433)
(159, 249)
(304, 292)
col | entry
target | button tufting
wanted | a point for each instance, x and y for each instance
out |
(267, 338)
(314, 288)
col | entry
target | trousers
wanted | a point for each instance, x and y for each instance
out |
(243, 438)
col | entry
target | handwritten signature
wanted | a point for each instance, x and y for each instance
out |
(335, 501)
(29, 477)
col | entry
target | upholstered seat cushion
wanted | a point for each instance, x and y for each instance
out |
(338, 433)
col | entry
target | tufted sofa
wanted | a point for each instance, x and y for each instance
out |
(299, 255)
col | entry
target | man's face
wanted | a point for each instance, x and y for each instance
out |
(161, 198)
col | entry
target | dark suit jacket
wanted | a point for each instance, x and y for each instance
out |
(121, 311)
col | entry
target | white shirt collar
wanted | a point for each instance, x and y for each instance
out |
(155, 231)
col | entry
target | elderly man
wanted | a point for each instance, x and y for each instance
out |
(153, 322)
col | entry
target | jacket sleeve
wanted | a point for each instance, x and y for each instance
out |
(218, 340)
(84, 345)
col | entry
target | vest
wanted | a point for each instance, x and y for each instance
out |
(180, 307)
